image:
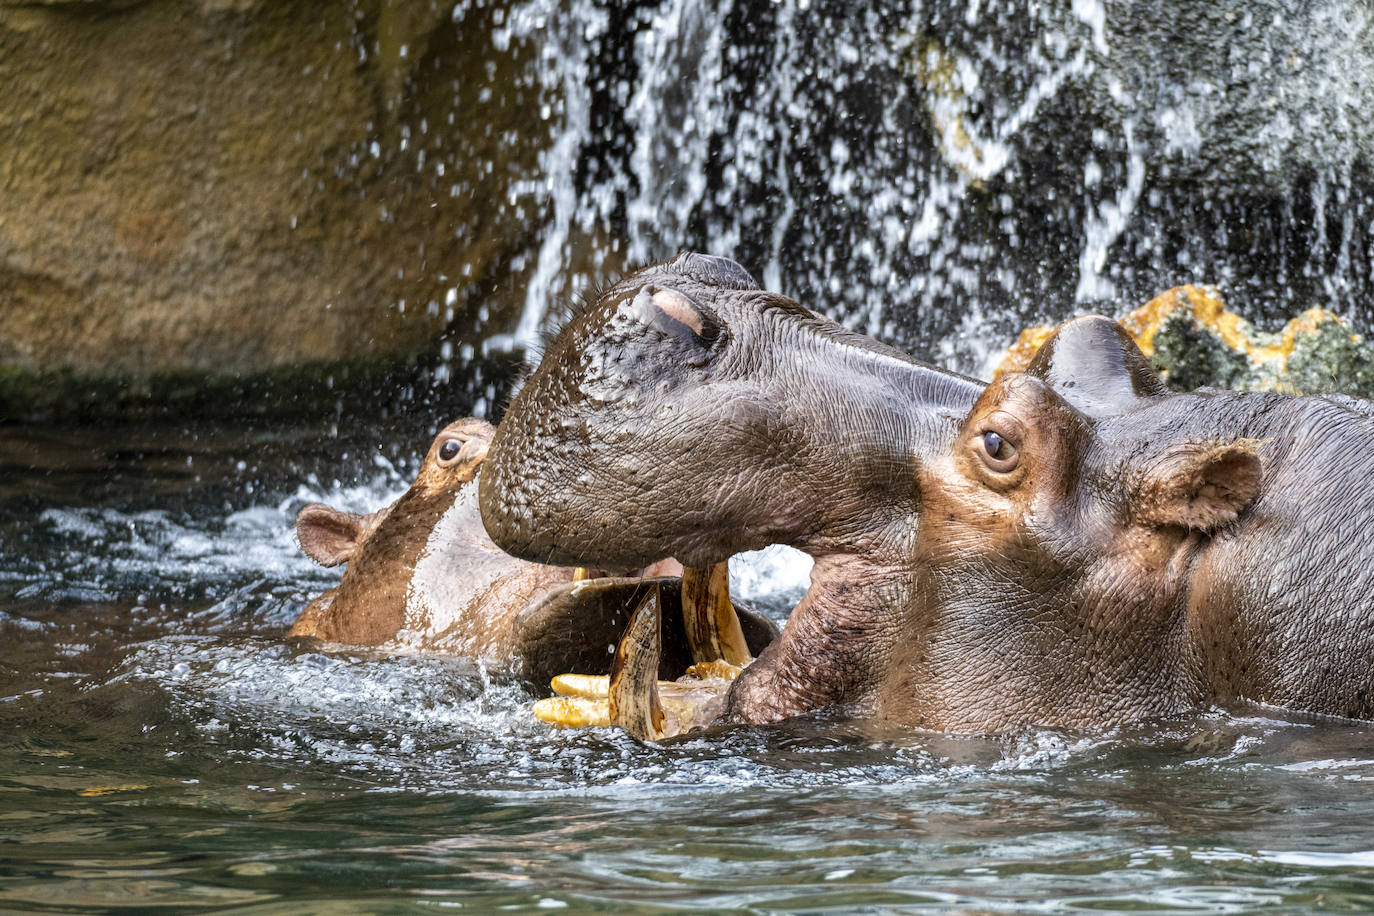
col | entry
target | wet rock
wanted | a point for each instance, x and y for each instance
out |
(1194, 341)
(238, 187)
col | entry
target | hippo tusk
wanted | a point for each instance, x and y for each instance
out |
(574, 711)
(713, 628)
(596, 686)
(581, 574)
(633, 696)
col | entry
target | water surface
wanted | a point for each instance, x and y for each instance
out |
(162, 745)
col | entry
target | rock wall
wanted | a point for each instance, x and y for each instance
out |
(236, 186)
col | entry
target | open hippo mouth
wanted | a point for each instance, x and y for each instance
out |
(713, 636)
(686, 413)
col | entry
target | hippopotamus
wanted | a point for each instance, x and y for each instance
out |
(685, 412)
(1114, 551)
(1072, 546)
(423, 575)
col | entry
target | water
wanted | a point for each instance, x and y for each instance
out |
(941, 173)
(161, 745)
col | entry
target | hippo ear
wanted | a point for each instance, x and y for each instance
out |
(1202, 486)
(329, 536)
(1095, 365)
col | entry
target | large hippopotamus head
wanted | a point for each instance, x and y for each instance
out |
(1055, 565)
(1139, 552)
(685, 412)
(1070, 546)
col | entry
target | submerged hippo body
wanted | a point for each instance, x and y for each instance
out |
(423, 575)
(1073, 546)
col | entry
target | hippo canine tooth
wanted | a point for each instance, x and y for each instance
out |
(713, 670)
(633, 697)
(573, 711)
(596, 686)
(713, 627)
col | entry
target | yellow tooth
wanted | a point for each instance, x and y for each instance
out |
(573, 712)
(713, 629)
(581, 573)
(717, 669)
(598, 686)
(633, 698)
(581, 685)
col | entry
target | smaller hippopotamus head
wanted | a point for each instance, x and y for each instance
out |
(422, 566)
(1056, 555)
(332, 536)
(423, 575)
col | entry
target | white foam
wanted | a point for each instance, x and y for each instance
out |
(774, 579)
(109, 552)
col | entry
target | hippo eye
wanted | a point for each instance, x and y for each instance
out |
(448, 452)
(998, 453)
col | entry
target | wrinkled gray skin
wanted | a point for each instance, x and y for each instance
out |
(1124, 553)
(687, 413)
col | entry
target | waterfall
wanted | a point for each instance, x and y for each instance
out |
(940, 174)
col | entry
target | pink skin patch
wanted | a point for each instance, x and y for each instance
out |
(679, 308)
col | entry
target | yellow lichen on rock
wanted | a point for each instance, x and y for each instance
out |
(936, 72)
(1307, 324)
(1193, 340)
(1209, 311)
(1203, 302)
(1267, 353)
(1020, 353)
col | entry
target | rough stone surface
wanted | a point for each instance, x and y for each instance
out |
(236, 186)
(1194, 342)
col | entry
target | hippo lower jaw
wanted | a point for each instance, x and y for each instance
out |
(837, 644)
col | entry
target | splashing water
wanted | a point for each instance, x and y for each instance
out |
(164, 745)
(934, 173)
(942, 174)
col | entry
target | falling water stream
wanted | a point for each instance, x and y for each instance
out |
(942, 174)
(937, 174)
